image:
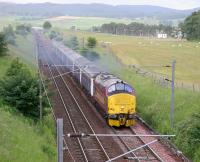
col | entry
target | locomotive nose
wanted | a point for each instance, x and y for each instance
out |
(121, 104)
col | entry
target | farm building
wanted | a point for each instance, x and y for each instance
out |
(162, 36)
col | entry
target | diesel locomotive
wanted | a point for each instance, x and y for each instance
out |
(116, 98)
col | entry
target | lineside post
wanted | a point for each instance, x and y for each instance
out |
(60, 139)
(40, 95)
(172, 95)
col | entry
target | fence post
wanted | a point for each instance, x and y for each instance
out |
(60, 139)
(172, 94)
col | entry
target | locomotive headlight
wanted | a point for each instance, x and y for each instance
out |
(113, 116)
(130, 116)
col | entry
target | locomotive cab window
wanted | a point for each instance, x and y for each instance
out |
(119, 87)
(111, 88)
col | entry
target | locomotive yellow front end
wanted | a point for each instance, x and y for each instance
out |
(121, 105)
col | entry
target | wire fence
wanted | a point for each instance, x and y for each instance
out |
(164, 80)
(157, 78)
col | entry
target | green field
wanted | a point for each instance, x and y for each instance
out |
(153, 101)
(152, 52)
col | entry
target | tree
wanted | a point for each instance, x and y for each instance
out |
(91, 42)
(9, 34)
(47, 25)
(23, 29)
(20, 89)
(191, 26)
(74, 42)
(3, 45)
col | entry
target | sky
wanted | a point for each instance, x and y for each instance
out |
(177, 4)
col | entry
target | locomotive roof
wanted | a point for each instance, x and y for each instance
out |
(70, 54)
(106, 79)
(87, 66)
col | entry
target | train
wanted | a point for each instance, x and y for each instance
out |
(114, 97)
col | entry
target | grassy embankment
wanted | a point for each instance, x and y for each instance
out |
(21, 139)
(153, 101)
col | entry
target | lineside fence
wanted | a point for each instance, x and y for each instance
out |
(156, 77)
(162, 80)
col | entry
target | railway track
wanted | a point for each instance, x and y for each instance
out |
(89, 149)
(141, 155)
(60, 83)
(74, 110)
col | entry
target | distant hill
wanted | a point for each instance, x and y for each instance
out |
(99, 10)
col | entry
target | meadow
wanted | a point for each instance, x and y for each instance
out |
(153, 100)
(150, 53)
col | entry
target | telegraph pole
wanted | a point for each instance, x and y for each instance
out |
(40, 97)
(83, 42)
(60, 139)
(172, 94)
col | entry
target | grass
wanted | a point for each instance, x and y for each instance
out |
(153, 101)
(150, 51)
(22, 141)
(4, 62)
(24, 49)
(5, 20)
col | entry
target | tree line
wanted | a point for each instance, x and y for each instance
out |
(189, 29)
(9, 32)
(135, 29)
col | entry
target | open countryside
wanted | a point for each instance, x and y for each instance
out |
(72, 61)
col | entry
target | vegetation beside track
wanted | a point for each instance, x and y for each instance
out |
(153, 101)
(23, 139)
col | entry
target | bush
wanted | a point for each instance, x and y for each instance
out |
(9, 34)
(73, 43)
(91, 42)
(47, 25)
(20, 89)
(3, 45)
(23, 29)
(52, 35)
(90, 55)
(189, 136)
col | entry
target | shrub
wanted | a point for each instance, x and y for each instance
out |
(91, 42)
(20, 89)
(189, 136)
(23, 29)
(47, 25)
(3, 45)
(9, 34)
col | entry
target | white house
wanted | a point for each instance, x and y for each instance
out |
(162, 36)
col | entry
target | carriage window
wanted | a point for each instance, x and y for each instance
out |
(120, 87)
(111, 89)
(128, 88)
